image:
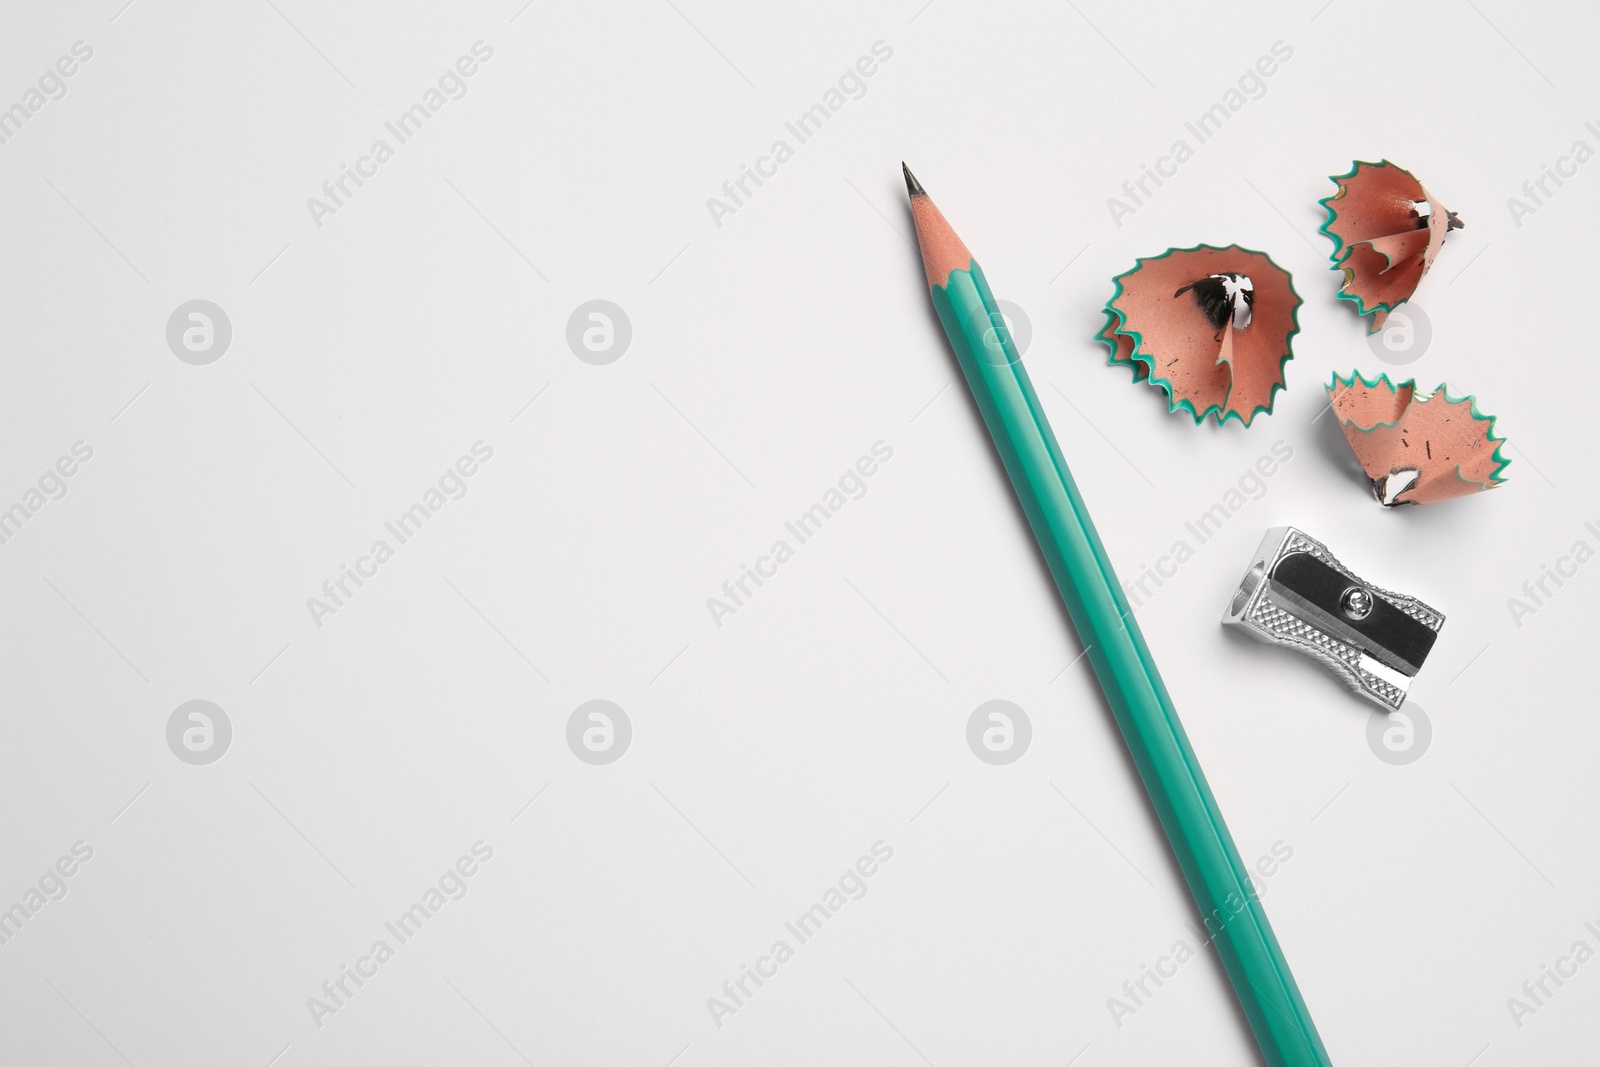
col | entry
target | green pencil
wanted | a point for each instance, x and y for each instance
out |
(1228, 904)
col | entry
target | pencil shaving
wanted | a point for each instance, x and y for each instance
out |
(1210, 326)
(1386, 231)
(1416, 447)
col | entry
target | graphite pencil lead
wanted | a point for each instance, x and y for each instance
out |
(913, 187)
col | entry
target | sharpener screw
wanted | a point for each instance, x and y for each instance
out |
(1356, 602)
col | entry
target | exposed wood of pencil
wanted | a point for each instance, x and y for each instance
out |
(942, 250)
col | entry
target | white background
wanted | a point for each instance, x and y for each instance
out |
(768, 354)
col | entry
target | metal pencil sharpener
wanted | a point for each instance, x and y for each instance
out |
(1296, 594)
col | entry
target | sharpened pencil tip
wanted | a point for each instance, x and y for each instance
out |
(942, 251)
(913, 187)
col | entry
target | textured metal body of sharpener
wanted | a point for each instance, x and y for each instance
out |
(1298, 595)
